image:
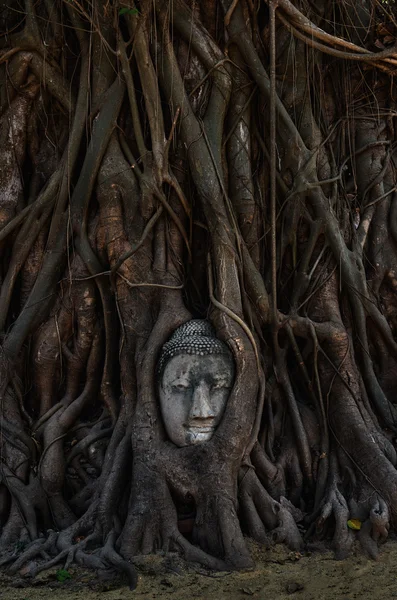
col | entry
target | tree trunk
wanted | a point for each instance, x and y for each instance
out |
(231, 161)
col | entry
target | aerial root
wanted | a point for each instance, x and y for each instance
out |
(262, 512)
(255, 527)
(194, 554)
(109, 554)
(157, 530)
(287, 530)
(375, 529)
(72, 552)
(336, 504)
(35, 548)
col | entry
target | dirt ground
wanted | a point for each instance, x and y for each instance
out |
(279, 575)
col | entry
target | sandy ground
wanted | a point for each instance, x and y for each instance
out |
(279, 575)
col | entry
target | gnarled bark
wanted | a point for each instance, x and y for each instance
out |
(158, 164)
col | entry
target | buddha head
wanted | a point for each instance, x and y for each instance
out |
(195, 377)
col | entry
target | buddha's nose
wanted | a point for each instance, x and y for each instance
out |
(201, 405)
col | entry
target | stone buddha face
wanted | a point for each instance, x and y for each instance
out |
(196, 377)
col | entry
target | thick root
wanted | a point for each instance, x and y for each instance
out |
(261, 512)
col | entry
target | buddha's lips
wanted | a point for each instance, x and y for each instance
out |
(200, 429)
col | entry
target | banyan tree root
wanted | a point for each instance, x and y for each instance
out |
(134, 195)
(265, 516)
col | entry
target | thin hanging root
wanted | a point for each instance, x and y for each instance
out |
(231, 314)
(136, 246)
(178, 223)
(173, 182)
(230, 12)
(309, 27)
(169, 140)
(303, 161)
(375, 58)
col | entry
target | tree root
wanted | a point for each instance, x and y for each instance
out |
(343, 537)
(100, 558)
(375, 529)
(262, 512)
(175, 176)
(369, 524)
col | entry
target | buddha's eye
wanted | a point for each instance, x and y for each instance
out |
(180, 387)
(220, 385)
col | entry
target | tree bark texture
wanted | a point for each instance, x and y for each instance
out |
(229, 160)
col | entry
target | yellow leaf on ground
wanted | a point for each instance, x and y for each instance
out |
(354, 524)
